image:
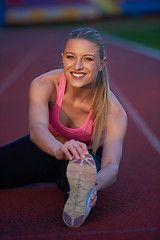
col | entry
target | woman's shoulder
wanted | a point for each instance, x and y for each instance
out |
(50, 77)
(116, 109)
(45, 86)
(117, 119)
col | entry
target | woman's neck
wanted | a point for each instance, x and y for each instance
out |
(83, 94)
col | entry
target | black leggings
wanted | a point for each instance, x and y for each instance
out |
(22, 162)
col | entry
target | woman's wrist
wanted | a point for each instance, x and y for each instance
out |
(56, 150)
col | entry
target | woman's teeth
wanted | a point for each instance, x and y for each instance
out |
(78, 75)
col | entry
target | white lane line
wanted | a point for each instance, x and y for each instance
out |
(133, 46)
(151, 137)
(22, 66)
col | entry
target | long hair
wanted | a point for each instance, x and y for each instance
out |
(100, 103)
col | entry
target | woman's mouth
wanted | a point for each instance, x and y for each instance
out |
(78, 75)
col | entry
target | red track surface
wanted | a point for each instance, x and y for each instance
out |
(128, 210)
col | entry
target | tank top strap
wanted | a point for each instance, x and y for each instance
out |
(61, 90)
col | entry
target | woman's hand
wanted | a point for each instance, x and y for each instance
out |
(71, 149)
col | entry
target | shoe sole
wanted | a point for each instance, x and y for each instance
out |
(81, 174)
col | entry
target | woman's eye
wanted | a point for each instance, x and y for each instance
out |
(70, 57)
(88, 59)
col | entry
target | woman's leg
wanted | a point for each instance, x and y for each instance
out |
(22, 162)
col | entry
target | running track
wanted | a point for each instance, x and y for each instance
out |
(129, 209)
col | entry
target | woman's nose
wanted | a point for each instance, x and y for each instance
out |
(78, 64)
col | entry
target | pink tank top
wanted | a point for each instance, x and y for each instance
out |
(82, 134)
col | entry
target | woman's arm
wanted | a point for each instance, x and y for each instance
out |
(112, 148)
(42, 91)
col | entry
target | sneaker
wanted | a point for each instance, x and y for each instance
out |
(81, 174)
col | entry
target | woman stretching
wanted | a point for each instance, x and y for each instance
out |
(77, 127)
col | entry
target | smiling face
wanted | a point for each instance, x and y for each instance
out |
(81, 62)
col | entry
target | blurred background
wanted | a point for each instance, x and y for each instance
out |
(49, 11)
(137, 20)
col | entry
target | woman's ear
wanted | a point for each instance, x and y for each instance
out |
(62, 55)
(103, 63)
(62, 60)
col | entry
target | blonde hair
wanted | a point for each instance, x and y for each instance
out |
(100, 104)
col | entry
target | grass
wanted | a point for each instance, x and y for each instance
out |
(142, 30)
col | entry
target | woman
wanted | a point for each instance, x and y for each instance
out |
(73, 116)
